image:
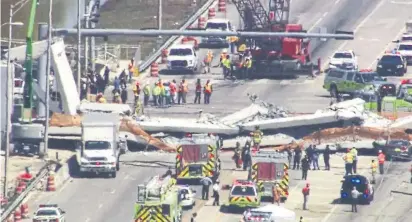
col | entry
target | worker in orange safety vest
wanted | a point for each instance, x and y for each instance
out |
(131, 69)
(207, 61)
(207, 91)
(381, 161)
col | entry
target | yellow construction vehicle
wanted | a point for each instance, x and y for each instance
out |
(158, 201)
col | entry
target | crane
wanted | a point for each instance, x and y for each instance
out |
(28, 66)
(273, 55)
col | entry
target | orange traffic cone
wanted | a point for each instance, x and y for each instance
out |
(24, 208)
(17, 215)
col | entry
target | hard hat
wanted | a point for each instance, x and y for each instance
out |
(380, 151)
(224, 51)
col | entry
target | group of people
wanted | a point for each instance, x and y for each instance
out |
(243, 65)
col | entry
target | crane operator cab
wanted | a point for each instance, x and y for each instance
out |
(244, 194)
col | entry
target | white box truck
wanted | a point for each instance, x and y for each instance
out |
(100, 148)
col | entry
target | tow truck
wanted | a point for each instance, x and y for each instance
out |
(244, 194)
(197, 157)
(158, 200)
(268, 169)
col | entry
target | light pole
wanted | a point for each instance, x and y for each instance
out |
(9, 98)
(79, 43)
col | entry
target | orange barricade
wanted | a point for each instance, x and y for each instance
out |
(24, 208)
(51, 186)
(212, 13)
(17, 215)
(221, 6)
(201, 22)
(184, 40)
(194, 40)
(154, 69)
(164, 56)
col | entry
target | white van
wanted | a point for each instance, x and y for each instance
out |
(216, 24)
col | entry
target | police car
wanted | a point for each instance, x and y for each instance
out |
(391, 64)
(344, 60)
(362, 185)
(49, 213)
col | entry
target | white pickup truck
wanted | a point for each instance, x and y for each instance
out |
(100, 148)
(182, 58)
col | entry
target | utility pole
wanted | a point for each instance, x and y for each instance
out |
(86, 39)
(48, 70)
(79, 42)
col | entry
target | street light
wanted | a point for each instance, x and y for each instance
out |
(9, 101)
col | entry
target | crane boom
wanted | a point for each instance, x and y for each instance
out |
(28, 65)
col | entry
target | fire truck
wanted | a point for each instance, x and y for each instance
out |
(158, 200)
(197, 157)
(273, 56)
(268, 169)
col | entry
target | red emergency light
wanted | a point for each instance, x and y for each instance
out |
(97, 163)
(366, 70)
(188, 135)
(406, 81)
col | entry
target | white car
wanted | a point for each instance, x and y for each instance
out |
(213, 25)
(187, 196)
(343, 59)
(182, 57)
(405, 49)
(49, 213)
(406, 37)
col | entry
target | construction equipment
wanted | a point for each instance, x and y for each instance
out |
(273, 56)
(197, 157)
(158, 200)
(268, 169)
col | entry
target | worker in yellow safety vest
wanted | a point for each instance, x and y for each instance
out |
(348, 158)
(355, 159)
(146, 94)
(257, 137)
(241, 48)
(156, 93)
(227, 66)
(101, 100)
(207, 61)
(223, 56)
(374, 169)
(247, 66)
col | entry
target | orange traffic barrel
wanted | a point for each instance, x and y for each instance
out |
(51, 186)
(201, 22)
(24, 208)
(17, 215)
(221, 5)
(154, 69)
(164, 56)
(211, 13)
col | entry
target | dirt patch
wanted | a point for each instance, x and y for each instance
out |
(138, 14)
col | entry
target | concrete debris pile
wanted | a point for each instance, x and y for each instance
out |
(374, 120)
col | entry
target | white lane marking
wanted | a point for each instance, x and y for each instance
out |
(100, 206)
(59, 190)
(318, 21)
(126, 177)
(113, 191)
(402, 2)
(332, 211)
(387, 47)
(362, 23)
(337, 1)
(87, 220)
(325, 14)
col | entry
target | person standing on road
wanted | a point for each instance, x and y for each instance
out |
(301, 219)
(305, 192)
(236, 155)
(381, 161)
(410, 169)
(348, 158)
(326, 157)
(146, 94)
(156, 94)
(185, 91)
(374, 169)
(198, 92)
(216, 194)
(309, 153)
(296, 158)
(206, 182)
(276, 194)
(180, 93)
(167, 94)
(315, 159)
(355, 159)
(173, 92)
(194, 215)
(354, 195)
(305, 167)
(207, 91)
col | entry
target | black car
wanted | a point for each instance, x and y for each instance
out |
(398, 149)
(391, 65)
(361, 183)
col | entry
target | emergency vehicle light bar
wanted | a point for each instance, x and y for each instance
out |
(366, 70)
(406, 81)
(47, 205)
(242, 182)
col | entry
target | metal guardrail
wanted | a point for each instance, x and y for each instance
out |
(16, 200)
(146, 64)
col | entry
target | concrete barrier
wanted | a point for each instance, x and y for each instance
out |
(62, 173)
